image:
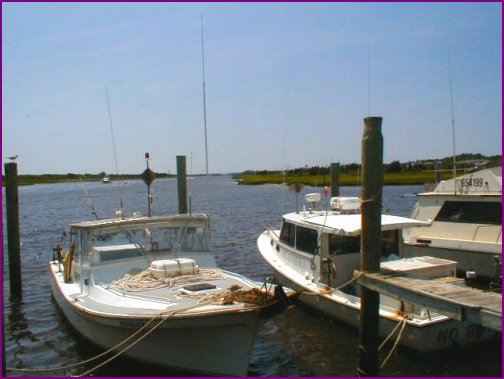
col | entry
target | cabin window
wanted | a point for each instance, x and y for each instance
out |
(343, 245)
(390, 244)
(306, 240)
(471, 212)
(288, 234)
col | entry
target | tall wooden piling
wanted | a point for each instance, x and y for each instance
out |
(13, 237)
(372, 182)
(335, 179)
(182, 184)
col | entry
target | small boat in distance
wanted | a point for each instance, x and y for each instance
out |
(466, 224)
(106, 180)
(149, 288)
(317, 252)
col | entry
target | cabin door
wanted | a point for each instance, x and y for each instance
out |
(326, 264)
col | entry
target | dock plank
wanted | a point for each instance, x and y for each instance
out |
(459, 303)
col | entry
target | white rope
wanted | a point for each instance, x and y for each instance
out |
(163, 319)
(146, 281)
(333, 289)
(214, 298)
(403, 324)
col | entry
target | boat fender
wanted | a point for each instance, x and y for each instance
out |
(279, 303)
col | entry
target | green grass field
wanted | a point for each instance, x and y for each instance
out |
(405, 178)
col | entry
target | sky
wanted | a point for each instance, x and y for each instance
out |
(287, 84)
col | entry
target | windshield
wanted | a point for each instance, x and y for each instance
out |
(136, 242)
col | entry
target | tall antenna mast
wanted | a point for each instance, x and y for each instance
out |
(453, 121)
(112, 132)
(204, 95)
(368, 82)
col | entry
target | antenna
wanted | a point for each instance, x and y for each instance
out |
(112, 132)
(204, 96)
(368, 81)
(453, 120)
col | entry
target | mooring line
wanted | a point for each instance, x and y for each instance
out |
(403, 324)
(156, 317)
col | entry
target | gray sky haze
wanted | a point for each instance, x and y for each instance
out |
(287, 84)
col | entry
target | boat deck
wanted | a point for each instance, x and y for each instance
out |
(203, 294)
(441, 295)
(146, 303)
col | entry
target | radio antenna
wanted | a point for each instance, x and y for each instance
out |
(452, 120)
(204, 95)
(112, 132)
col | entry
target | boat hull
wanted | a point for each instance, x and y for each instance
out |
(217, 344)
(436, 335)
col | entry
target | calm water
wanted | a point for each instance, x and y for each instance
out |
(295, 343)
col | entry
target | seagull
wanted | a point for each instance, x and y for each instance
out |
(13, 158)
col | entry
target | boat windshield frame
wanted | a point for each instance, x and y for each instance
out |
(104, 241)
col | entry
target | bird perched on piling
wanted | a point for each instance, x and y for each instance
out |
(13, 158)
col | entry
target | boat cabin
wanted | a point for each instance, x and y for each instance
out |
(102, 248)
(466, 217)
(332, 242)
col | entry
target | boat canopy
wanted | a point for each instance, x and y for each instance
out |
(348, 224)
(122, 224)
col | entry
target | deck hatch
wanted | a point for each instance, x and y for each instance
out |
(200, 287)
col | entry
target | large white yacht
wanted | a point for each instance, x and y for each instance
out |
(466, 224)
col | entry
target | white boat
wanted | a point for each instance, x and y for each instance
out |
(106, 180)
(466, 224)
(148, 287)
(318, 253)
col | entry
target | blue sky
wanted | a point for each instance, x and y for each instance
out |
(287, 84)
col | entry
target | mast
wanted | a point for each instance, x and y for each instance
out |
(112, 132)
(204, 95)
(453, 123)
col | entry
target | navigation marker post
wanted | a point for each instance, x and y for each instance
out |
(148, 177)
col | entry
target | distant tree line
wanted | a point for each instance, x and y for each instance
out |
(463, 162)
(71, 177)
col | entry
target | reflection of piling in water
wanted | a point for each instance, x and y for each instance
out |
(371, 198)
(13, 239)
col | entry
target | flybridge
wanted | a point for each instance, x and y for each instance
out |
(483, 182)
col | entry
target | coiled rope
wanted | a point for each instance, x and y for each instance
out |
(144, 280)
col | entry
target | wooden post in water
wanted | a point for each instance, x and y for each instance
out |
(13, 239)
(335, 176)
(372, 182)
(182, 184)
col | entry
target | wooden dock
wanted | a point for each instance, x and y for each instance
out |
(440, 295)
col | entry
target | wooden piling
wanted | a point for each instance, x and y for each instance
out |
(182, 184)
(372, 182)
(335, 176)
(13, 238)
